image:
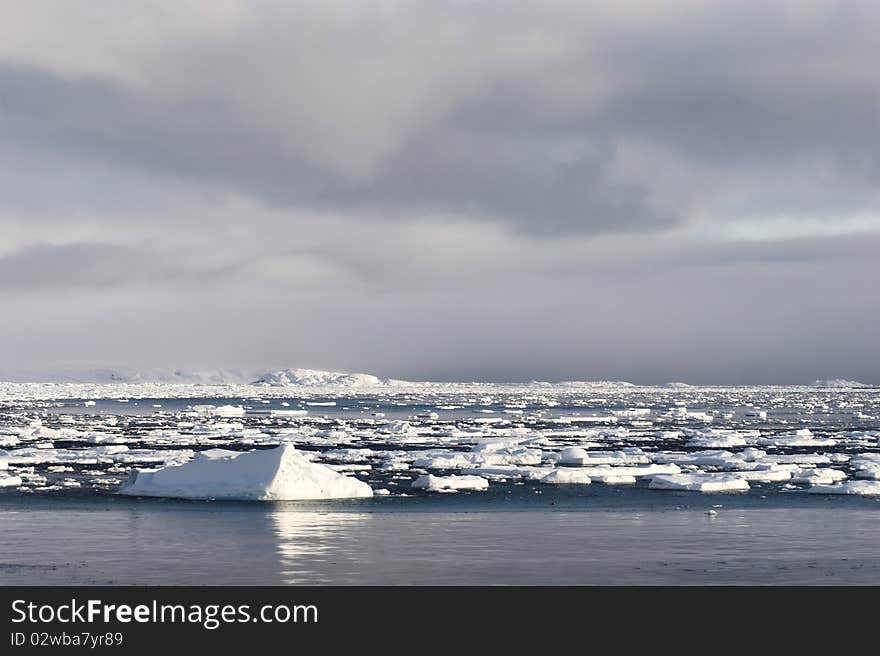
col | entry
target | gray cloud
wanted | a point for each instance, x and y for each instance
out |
(534, 140)
(540, 190)
(45, 267)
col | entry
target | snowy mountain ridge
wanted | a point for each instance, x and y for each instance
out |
(317, 377)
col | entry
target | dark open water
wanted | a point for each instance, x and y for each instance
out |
(130, 541)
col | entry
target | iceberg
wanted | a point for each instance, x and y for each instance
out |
(279, 474)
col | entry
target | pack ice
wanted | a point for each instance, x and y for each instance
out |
(279, 474)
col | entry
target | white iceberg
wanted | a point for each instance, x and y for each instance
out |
(279, 474)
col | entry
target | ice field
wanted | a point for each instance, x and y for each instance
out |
(410, 439)
(306, 479)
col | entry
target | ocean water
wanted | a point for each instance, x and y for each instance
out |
(67, 448)
(120, 542)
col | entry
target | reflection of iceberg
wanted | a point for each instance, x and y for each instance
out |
(280, 474)
(308, 541)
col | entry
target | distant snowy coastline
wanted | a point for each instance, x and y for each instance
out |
(321, 378)
(839, 383)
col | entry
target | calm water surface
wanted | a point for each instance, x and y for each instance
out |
(95, 541)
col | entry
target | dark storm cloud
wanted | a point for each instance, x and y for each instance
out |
(538, 150)
(443, 169)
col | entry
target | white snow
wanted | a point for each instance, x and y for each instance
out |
(282, 473)
(316, 378)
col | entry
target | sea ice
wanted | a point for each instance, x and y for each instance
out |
(229, 411)
(10, 481)
(863, 488)
(432, 483)
(702, 482)
(567, 476)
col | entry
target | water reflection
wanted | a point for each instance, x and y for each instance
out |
(317, 547)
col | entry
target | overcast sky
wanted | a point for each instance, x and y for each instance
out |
(645, 191)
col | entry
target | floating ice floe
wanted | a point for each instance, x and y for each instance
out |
(229, 411)
(766, 474)
(567, 476)
(801, 437)
(432, 483)
(10, 481)
(681, 413)
(279, 474)
(703, 482)
(867, 466)
(713, 438)
(862, 488)
(818, 476)
(289, 413)
(577, 456)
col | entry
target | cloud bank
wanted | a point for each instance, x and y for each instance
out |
(685, 190)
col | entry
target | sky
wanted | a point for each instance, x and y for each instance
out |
(460, 190)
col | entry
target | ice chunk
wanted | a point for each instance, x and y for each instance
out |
(715, 439)
(282, 473)
(566, 476)
(10, 481)
(801, 437)
(766, 475)
(818, 476)
(702, 482)
(863, 488)
(615, 479)
(450, 483)
(573, 455)
(288, 413)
